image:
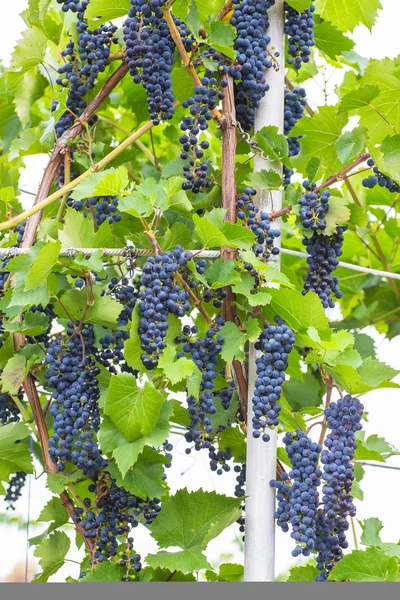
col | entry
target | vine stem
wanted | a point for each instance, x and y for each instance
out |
(343, 173)
(60, 149)
(228, 128)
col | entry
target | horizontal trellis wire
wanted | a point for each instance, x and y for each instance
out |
(131, 252)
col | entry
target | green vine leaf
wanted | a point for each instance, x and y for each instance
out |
(366, 565)
(52, 552)
(133, 409)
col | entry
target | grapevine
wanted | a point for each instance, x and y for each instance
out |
(170, 366)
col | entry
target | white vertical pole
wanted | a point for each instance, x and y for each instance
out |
(259, 561)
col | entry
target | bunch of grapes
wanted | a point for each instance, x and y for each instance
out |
(380, 179)
(258, 222)
(110, 354)
(114, 514)
(297, 493)
(72, 5)
(103, 208)
(323, 252)
(313, 209)
(83, 64)
(299, 27)
(9, 411)
(72, 374)
(343, 421)
(240, 492)
(158, 297)
(295, 101)
(204, 351)
(275, 343)
(200, 106)
(149, 49)
(250, 19)
(219, 460)
(14, 489)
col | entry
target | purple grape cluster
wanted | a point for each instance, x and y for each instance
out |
(380, 179)
(299, 27)
(112, 517)
(149, 49)
(343, 421)
(158, 297)
(200, 106)
(250, 19)
(103, 208)
(313, 209)
(258, 222)
(295, 100)
(72, 374)
(297, 493)
(79, 76)
(204, 351)
(323, 258)
(14, 489)
(9, 411)
(275, 343)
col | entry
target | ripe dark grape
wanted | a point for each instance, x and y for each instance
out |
(200, 106)
(343, 421)
(295, 101)
(299, 27)
(158, 297)
(258, 222)
(72, 374)
(250, 19)
(323, 251)
(297, 493)
(380, 179)
(149, 48)
(14, 489)
(275, 343)
(313, 209)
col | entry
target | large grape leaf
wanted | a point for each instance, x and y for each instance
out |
(107, 10)
(382, 116)
(52, 551)
(30, 50)
(319, 136)
(134, 410)
(331, 40)
(366, 565)
(347, 15)
(14, 456)
(146, 478)
(126, 454)
(185, 561)
(298, 311)
(191, 519)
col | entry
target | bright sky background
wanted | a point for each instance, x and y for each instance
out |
(379, 485)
